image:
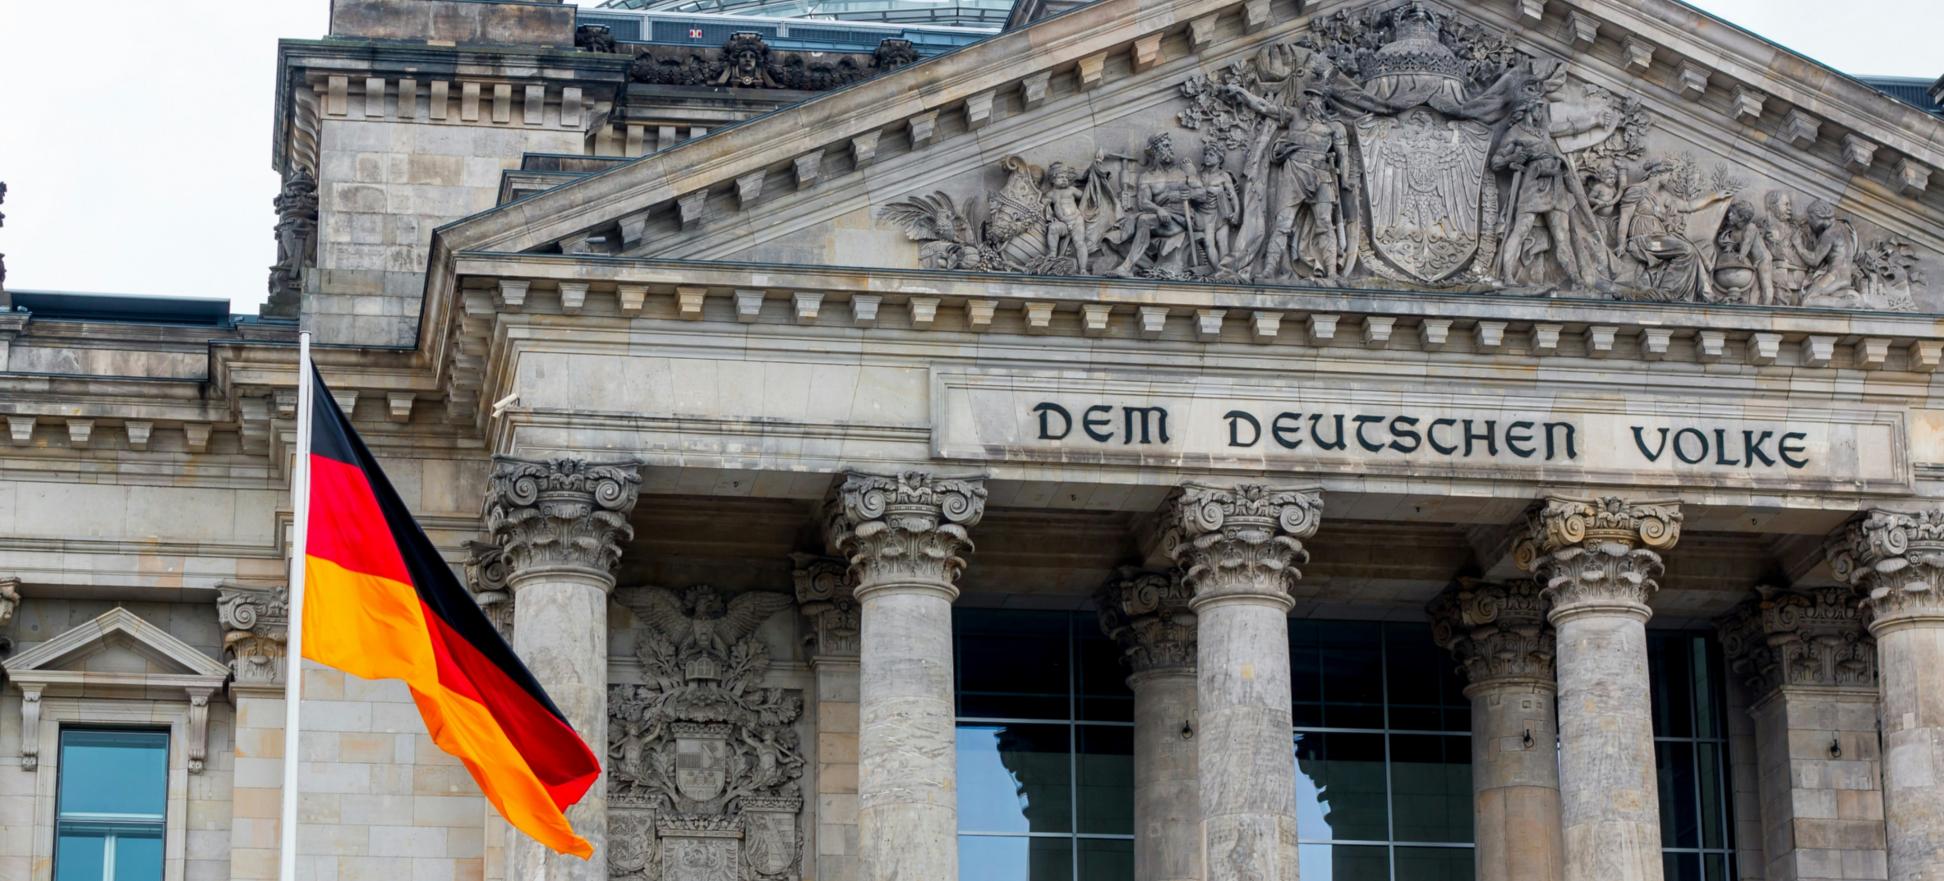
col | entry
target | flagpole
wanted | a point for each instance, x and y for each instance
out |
(294, 653)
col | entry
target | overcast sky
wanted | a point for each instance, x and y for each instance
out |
(135, 134)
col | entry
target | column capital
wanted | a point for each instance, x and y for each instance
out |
(1896, 561)
(1597, 554)
(561, 514)
(1147, 614)
(823, 595)
(1782, 638)
(486, 577)
(1497, 631)
(904, 531)
(1239, 542)
(256, 632)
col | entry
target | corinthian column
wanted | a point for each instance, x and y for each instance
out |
(1237, 550)
(1148, 614)
(1896, 561)
(1499, 635)
(1598, 559)
(905, 537)
(559, 525)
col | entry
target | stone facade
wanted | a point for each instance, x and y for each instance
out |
(730, 390)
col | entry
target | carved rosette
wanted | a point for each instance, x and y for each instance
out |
(256, 631)
(1497, 631)
(1147, 614)
(486, 578)
(904, 531)
(1239, 542)
(1597, 553)
(1896, 561)
(560, 514)
(1809, 637)
(823, 594)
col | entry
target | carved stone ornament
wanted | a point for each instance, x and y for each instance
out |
(1399, 146)
(823, 593)
(1809, 637)
(1895, 560)
(1496, 631)
(1597, 552)
(745, 61)
(486, 578)
(1147, 613)
(561, 513)
(904, 529)
(1240, 541)
(256, 631)
(704, 762)
(296, 233)
(9, 598)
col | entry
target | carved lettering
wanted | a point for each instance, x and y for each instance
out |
(1235, 420)
(1046, 413)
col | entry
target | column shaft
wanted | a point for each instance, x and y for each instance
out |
(1597, 559)
(559, 524)
(1237, 549)
(904, 537)
(1147, 614)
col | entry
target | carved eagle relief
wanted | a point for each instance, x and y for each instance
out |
(698, 620)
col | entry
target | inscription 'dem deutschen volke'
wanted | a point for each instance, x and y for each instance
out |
(1409, 434)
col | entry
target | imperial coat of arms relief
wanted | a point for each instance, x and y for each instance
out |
(704, 762)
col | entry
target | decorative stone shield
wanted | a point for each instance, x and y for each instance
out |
(770, 836)
(701, 759)
(700, 849)
(1425, 176)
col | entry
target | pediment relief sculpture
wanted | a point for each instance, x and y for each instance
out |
(1400, 146)
(745, 61)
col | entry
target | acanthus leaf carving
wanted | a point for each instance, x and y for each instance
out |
(1240, 541)
(1148, 615)
(486, 578)
(1895, 560)
(823, 594)
(256, 631)
(1813, 637)
(1597, 552)
(1497, 631)
(908, 528)
(567, 513)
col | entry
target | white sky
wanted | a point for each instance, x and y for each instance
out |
(135, 134)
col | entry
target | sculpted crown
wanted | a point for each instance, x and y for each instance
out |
(561, 512)
(1798, 637)
(904, 527)
(1147, 614)
(1895, 559)
(1496, 631)
(1239, 541)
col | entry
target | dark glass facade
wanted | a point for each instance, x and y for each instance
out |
(1691, 754)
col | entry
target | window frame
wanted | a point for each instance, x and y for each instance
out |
(115, 823)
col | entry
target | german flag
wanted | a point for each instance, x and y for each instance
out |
(379, 603)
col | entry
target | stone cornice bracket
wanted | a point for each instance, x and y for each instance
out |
(486, 577)
(561, 515)
(1497, 631)
(1896, 561)
(823, 595)
(1147, 613)
(256, 632)
(1597, 554)
(904, 532)
(1241, 543)
(1786, 638)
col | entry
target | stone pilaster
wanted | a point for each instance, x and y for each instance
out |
(1597, 560)
(823, 593)
(559, 525)
(1810, 669)
(1499, 635)
(256, 632)
(1237, 550)
(1896, 562)
(1147, 614)
(905, 539)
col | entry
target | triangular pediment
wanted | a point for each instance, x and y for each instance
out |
(117, 646)
(1696, 162)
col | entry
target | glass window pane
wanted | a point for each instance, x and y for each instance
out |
(1105, 768)
(1353, 674)
(123, 773)
(1014, 778)
(1707, 694)
(1342, 862)
(1101, 859)
(1670, 678)
(138, 856)
(1680, 827)
(1681, 866)
(1714, 806)
(1012, 665)
(1715, 867)
(1431, 788)
(995, 858)
(1305, 673)
(1425, 692)
(1104, 695)
(78, 856)
(1340, 787)
(1435, 864)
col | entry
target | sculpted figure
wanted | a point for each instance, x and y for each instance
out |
(1223, 207)
(1166, 197)
(1066, 220)
(1653, 232)
(1737, 251)
(1540, 191)
(1779, 260)
(748, 62)
(1831, 259)
(1312, 161)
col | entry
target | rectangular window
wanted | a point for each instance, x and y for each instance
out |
(1691, 755)
(111, 805)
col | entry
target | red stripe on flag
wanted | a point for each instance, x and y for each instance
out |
(346, 525)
